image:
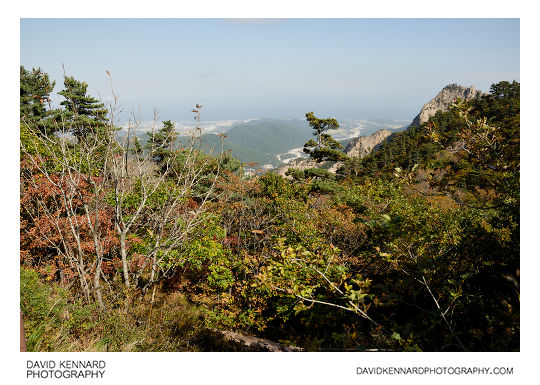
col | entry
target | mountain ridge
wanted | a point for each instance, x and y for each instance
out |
(362, 146)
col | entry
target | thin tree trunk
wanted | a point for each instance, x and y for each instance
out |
(152, 273)
(123, 254)
(97, 284)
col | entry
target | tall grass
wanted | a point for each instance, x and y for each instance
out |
(53, 322)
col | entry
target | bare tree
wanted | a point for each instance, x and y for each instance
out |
(99, 194)
(67, 202)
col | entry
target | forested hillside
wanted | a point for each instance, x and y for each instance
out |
(259, 141)
(161, 247)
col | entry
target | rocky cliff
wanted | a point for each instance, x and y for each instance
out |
(443, 101)
(300, 163)
(363, 146)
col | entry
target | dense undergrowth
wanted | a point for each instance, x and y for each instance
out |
(124, 248)
(54, 321)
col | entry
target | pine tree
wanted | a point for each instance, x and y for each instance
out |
(160, 144)
(83, 115)
(137, 148)
(324, 147)
(35, 90)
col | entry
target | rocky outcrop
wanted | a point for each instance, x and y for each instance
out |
(361, 147)
(258, 344)
(299, 163)
(443, 100)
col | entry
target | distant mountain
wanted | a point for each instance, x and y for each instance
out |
(443, 100)
(260, 140)
(272, 142)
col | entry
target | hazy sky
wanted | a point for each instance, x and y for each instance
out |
(246, 68)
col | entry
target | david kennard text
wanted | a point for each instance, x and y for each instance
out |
(65, 369)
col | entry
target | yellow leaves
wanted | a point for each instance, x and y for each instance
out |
(432, 132)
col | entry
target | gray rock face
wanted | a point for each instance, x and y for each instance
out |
(301, 164)
(363, 146)
(443, 101)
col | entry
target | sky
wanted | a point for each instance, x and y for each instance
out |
(273, 68)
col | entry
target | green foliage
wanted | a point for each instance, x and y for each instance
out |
(415, 247)
(296, 173)
(55, 323)
(35, 90)
(273, 184)
(39, 310)
(325, 186)
(82, 114)
(324, 147)
(137, 148)
(428, 258)
(34, 295)
(310, 173)
(161, 143)
(30, 142)
(206, 247)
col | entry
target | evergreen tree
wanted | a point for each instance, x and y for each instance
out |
(35, 90)
(137, 148)
(160, 144)
(324, 147)
(83, 114)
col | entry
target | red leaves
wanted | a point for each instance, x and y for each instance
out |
(231, 240)
(60, 215)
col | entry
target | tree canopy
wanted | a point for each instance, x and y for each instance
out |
(35, 99)
(324, 147)
(161, 143)
(82, 114)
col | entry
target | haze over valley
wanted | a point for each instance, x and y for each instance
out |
(268, 142)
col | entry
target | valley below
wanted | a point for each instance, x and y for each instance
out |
(269, 143)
